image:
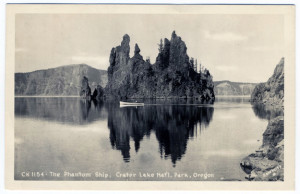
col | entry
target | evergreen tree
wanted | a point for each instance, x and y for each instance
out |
(192, 62)
(148, 59)
(160, 46)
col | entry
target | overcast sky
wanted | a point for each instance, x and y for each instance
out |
(244, 48)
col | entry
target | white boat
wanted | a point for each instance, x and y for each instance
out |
(131, 103)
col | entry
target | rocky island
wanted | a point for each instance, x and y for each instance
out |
(267, 164)
(173, 75)
(86, 92)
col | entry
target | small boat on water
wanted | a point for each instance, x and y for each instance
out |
(131, 103)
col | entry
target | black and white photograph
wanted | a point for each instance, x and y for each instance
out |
(146, 95)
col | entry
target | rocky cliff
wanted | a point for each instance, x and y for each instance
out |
(228, 88)
(61, 81)
(271, 92)
(86, 92)
(171, 76)
(267, 164)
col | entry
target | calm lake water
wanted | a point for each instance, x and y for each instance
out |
(74, 139)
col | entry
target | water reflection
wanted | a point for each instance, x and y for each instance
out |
(168, 101)
(239, 100)
(72, 111)
(85, 106)
(172, 125)
(267, 112)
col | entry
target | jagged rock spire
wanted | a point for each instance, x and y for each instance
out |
(125, 41)
(137, 49)
(85, 88)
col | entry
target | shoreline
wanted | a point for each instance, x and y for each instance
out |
(267, 162)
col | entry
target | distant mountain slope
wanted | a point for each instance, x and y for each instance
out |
(60, 81)
(228, 88)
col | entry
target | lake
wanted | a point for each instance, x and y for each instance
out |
(75, 139)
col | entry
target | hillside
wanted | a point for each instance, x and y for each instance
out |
(271, 92)
(228, 88)
(60, 81)
(267, 164)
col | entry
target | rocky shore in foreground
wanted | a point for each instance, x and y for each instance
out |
(267, 163)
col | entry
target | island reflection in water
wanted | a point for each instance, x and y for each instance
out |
(173, 125)
(173, 122)
(175, 136)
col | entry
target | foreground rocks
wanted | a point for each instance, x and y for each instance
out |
(267, 163)
(173, 75)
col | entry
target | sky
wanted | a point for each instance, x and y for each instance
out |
(242, 48)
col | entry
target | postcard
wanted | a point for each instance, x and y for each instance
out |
(150, 97)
